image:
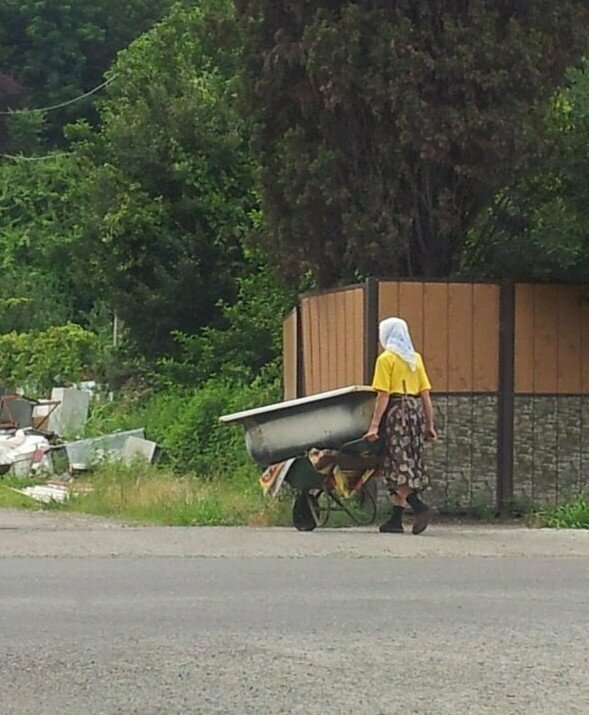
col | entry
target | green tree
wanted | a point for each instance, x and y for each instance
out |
(538, 228)
(384, 128)
(10, 91)
(39, 229)
(246, 343)
(172, 187)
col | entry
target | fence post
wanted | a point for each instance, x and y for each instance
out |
(370, 327)
(505, 422)
(300, 355)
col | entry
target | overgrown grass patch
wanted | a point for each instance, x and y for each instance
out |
(150, 495)
(574, 515)
(11, 499)
(204, 476)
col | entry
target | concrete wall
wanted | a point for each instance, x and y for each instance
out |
(462, 465)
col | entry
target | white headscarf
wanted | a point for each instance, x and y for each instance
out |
(394, 336)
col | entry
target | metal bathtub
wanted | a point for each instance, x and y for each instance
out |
(288, 429)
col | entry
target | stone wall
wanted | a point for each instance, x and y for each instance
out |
(551, 451)
(551, 448)
(462, 465)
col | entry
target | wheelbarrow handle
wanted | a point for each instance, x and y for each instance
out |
(354, 445)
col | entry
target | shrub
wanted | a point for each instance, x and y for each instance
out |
(37, 361)
(185, 422)
(569, 516)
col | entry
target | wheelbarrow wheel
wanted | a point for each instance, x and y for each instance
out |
(302, 516)
(320, 505)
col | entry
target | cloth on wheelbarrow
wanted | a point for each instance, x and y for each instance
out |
(327, 458)
(272, 478)
(346, 468)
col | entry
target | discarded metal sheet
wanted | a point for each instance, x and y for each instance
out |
(65, 413)
(139, 448)
(16, 411)
(85, 453)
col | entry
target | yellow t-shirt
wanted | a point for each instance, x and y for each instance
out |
(393, 375)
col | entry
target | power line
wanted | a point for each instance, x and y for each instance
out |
(33, 158)
(62, 104)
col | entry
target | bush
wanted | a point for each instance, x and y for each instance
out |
(37, 361)
(570, 516)
(185, 422)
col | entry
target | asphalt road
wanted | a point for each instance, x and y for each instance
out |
(98, 617)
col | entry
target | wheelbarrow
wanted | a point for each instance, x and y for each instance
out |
(317, 438)
(328, 481)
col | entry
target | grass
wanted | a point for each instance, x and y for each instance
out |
(149, 495)
(9, 499)
(574, 515)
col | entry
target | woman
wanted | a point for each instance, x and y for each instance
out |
(400, 378)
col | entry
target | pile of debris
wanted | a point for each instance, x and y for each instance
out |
(33, 440)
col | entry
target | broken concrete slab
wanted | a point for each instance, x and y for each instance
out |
(135, 448)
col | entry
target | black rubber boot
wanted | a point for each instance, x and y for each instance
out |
(394, 523)
(422, 513)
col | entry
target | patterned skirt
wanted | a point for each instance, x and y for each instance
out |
(404, 437)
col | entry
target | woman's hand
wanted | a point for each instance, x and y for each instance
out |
(371, 435)
(380, 405)
(431, 435)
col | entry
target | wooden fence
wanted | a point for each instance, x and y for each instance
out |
(552, 339)
(499, 350)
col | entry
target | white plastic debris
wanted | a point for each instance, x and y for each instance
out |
(46, 493)
(25, 453)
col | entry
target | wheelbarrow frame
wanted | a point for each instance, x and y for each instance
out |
(318, 493)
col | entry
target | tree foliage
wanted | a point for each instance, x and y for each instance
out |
(172, 184)
(37, 361)
(40, 204)
(54, 50)
(538, 228)
(385, 127)
(247, 341)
